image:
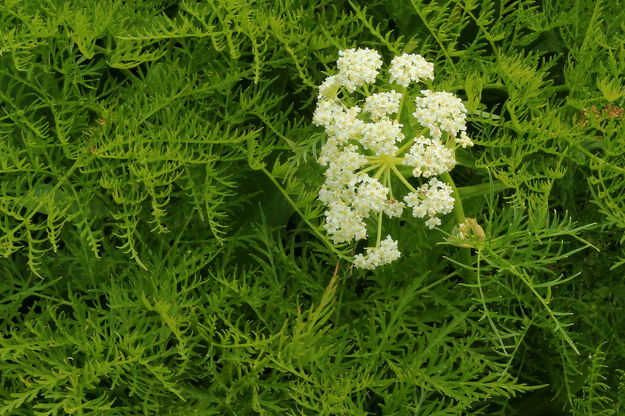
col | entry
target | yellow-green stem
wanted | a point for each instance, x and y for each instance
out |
(385, 159)
(465, 253)
(380, 171)
(370, 168)
(401, 104)
(401, 178)
(405, 147)
(387, 183)
(379, 237)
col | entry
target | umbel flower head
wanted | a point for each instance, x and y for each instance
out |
(367, 144)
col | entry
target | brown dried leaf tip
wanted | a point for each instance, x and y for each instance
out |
(607, 112)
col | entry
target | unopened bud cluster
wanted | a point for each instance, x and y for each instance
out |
(366, 143)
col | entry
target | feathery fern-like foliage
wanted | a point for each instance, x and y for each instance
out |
(162, 249)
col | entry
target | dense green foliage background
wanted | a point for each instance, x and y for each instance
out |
(162, 249)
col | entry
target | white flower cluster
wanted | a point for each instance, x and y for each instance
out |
(409, 68)
(381, 137)
(393, 208)
(464, 141)
(357, 66)
(431, 199)
(382, 104)
(440, 112)
(429, 157)
(372, 141)
(340, 123)
(385, 253)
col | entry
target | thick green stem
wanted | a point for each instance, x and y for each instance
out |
(458, 209)
(401, 104)
(465, 252)
(365, 89)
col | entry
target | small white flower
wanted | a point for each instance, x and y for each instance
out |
(433, 222)
(341, 176)
(429, 157)
(409, 68)
(345, 124)
(385, 253)
(393, 208)
(380, 137)
(348, 159)
(431, 199)
(329, 151)
(440, 111)
(370, 196)
(382, 104)
(343, 224)
(325, 112)
(464, 141)
(357, 66)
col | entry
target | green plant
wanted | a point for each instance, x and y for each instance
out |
(162, 243)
